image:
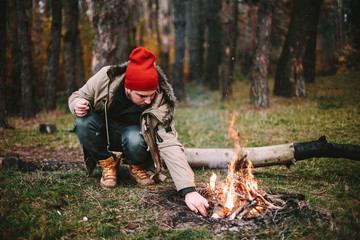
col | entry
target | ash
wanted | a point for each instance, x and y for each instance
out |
(175, 214)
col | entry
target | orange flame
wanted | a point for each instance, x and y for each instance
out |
(231, 197)
(213, 182)
(229, 189)
(241, 181)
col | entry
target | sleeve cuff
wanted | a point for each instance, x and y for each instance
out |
(184, 191)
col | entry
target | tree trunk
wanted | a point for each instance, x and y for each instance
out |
(132, 26)
(289, 77)
(165, 28)
(285, 154)
(23, 11)
(14, 90)
(155, 20)
(111, 42)
(253, 21)
(71, 10)
(310, 51)
(259, 93)
(354, 19)
(225, 16)
(196, 38)
(229, 22)
(79, 62)
(53, 51)
(213, 53)
(235, 36)
(3, 113)
(178, 67)
(37, 47)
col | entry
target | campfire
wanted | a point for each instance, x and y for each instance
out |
(241, 197)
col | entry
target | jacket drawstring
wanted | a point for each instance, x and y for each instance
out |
(106, 117)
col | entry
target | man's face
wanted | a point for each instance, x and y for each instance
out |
(140, 98)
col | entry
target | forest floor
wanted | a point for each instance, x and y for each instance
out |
(53, 198)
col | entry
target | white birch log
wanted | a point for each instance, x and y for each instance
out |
(259, 156)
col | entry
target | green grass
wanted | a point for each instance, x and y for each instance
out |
(52, 205)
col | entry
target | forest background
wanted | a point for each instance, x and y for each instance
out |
(50, 48)
(288, 69)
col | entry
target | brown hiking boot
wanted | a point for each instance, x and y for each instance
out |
(139, 174)
(109, 179)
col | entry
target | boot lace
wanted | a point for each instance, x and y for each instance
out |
(109, 172)
(141, 173)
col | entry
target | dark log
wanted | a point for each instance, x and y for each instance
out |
(10, 161)
(324, 148)
(285, 154)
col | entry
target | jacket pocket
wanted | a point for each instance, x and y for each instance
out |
(166, 136)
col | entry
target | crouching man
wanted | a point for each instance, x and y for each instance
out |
(129, 108)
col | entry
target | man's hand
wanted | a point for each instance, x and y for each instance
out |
(81, 108)
(196, 203)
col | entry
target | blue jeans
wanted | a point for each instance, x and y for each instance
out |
(91, 132)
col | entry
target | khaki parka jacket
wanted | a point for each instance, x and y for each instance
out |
(157, 122)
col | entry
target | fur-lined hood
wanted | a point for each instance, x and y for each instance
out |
(164, 87)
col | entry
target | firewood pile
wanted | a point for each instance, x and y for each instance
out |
(241, 198)
(270, 206)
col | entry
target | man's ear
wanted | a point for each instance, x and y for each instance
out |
(128, 92)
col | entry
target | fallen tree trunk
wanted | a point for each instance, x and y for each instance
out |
(284, 154)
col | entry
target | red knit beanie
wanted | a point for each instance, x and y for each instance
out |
(141, 74)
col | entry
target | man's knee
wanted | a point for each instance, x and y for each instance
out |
(92, 121)
(81, 123)
(134, 140)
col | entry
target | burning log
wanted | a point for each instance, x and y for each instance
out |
(285, 154)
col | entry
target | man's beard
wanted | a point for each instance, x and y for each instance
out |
(144, 105)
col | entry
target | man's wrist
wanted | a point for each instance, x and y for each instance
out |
(187, 190)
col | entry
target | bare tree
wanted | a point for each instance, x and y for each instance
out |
(3, 113)
(354, 20)
(259, 93)
(165, 29)
(196, 38)
(71, 11)
(53, 51)
(178, 67)
(79, 47)
(111, 43)
(213, 52)
(37, 44)
(310, 51)
(28, 106)
(154, 7)
(229, 17)
(14, 90)
(289, 76)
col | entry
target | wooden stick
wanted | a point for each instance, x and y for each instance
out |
(247, 209)
(219, 212)
(237, 211)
